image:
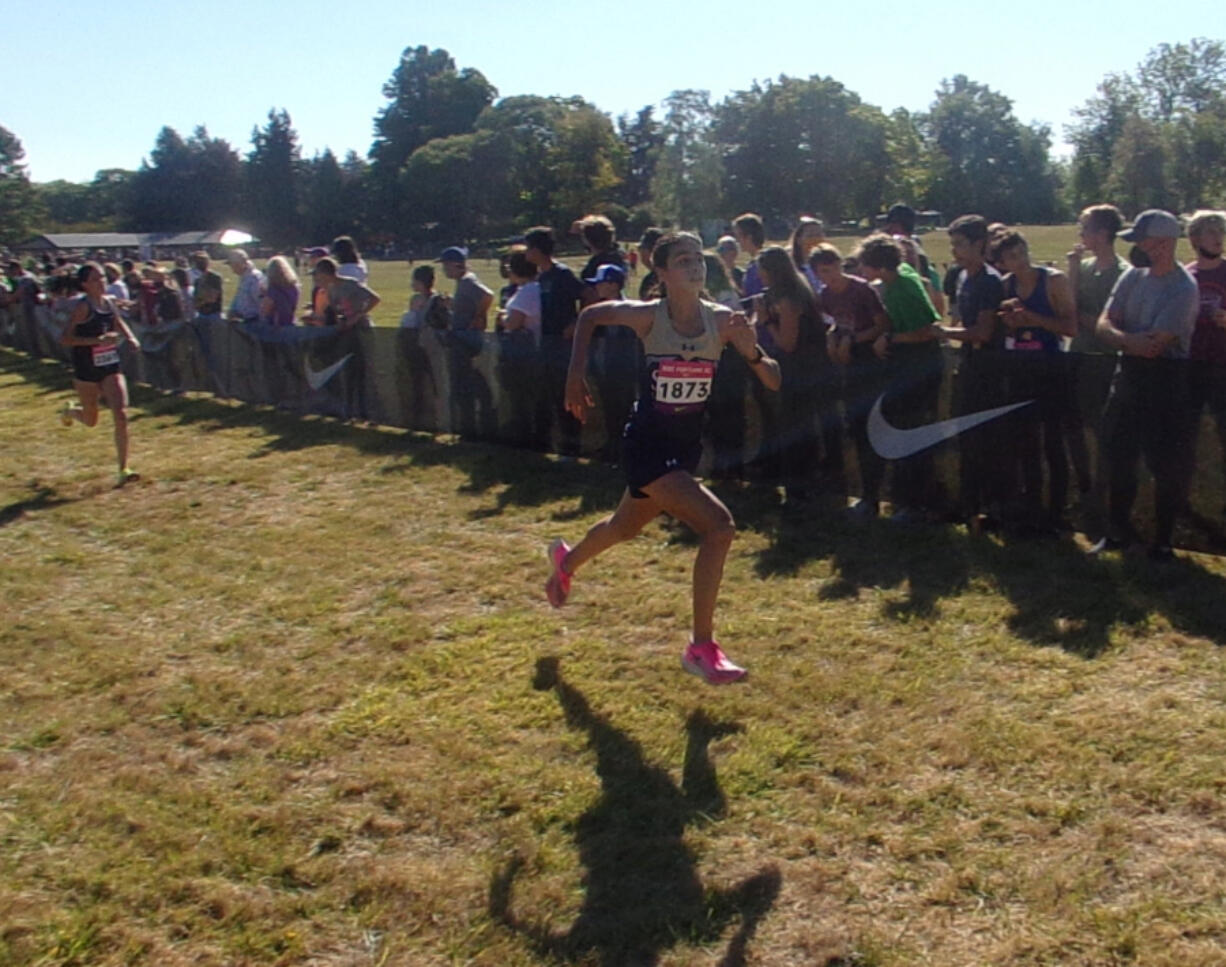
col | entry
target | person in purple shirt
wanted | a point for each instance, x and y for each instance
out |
(750, 234)
(1206, 232)
(281, 296)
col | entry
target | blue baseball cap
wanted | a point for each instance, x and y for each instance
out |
(453, 253)
(608, 273)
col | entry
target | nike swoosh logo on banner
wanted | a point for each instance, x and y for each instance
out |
(892, 443)
(316, 378)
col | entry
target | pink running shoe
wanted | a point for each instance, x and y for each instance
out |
(557, 588)
(709, 662)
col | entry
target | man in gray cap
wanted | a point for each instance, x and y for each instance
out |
(470, 305)
(1149, 320)
(469, 396)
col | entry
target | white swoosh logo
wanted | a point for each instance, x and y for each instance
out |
(892, 443)
(318, 377)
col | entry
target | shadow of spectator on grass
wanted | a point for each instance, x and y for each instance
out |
(929, 563)
(519, 478)
(1061, 596)
(642, 894)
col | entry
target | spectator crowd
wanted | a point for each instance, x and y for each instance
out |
(1065, 378)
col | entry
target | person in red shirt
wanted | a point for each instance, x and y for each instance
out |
(1206, 231)
(858, 318)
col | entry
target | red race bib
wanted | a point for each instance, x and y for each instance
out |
(682, 384)
(105, 355)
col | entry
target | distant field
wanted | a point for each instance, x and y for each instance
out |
(1048, 243)
(296, 698)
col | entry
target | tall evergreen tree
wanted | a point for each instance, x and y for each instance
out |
(19, 206)
(272, 181)
(428, 99)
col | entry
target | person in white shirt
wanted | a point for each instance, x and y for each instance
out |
(523, 311)
(114, 283)
(349, 262)
(245, 306)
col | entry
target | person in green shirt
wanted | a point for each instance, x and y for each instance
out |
(915, 366)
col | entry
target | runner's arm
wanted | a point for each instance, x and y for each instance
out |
(122, 325)
(635, 315)
(69, 338)
(735, 329)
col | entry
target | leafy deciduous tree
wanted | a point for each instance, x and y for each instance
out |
(429, 99)
(686, 187)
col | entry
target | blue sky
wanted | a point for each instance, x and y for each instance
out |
(89, 85)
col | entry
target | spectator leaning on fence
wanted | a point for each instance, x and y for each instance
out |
(349, 262)
(1149, 320)
(470, 306)
(427, 308)
(859, 318)
(115, 288)
(980, 383)
(350, 303)
(207, 293)
(560, 292)
(523, 311)
(280, 300)
(1039, 311)
(914, 366)
(1206, 230)
(245, 307)
(601, 240)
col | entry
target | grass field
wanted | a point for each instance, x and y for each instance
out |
(1048, 243)
(296, 698)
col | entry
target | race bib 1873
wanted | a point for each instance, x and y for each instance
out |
(107, 355)
(681, 384)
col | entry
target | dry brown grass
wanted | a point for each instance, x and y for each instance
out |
(291, 700)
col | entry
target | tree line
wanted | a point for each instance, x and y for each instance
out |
(452, 161)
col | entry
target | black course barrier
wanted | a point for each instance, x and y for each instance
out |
(978, 432)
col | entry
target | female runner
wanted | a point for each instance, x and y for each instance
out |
(94, 332)
(682, 337)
